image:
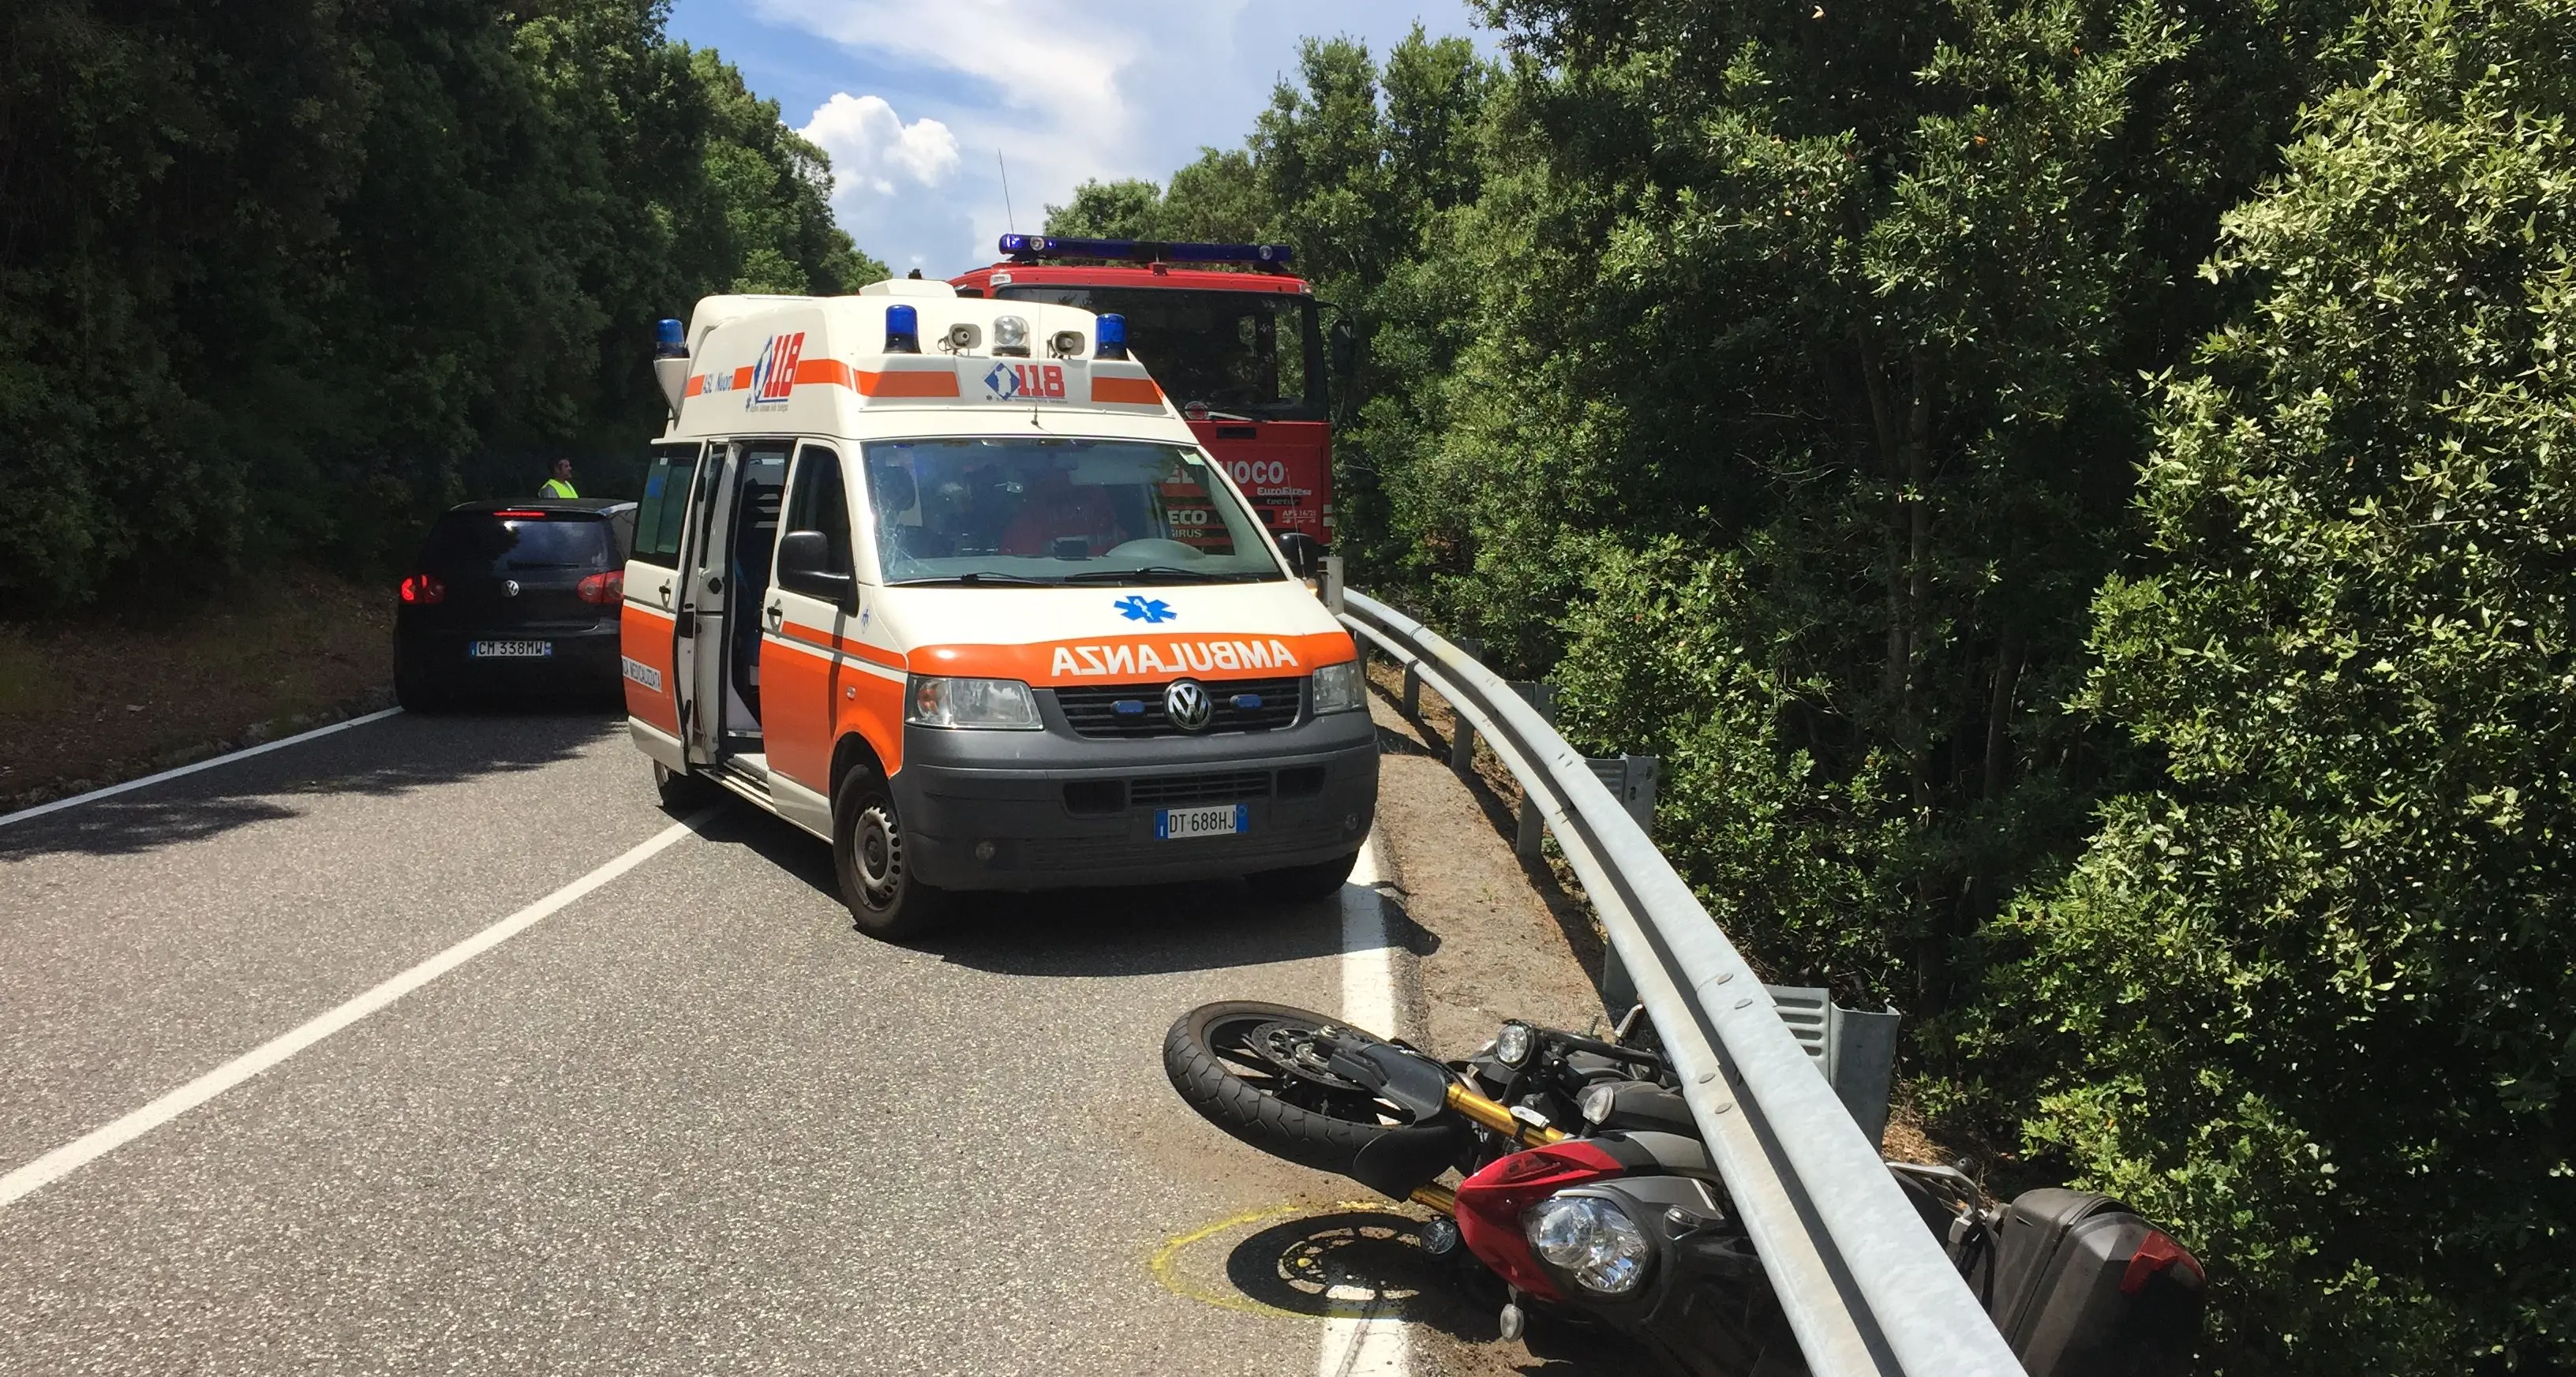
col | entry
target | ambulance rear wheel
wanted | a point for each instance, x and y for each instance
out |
(680, 793)
(887, 900)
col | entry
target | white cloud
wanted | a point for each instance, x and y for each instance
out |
(872, 148)
(1063, 93)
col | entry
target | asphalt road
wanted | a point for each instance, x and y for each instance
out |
(691, 1122)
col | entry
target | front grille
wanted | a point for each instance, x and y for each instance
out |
(1126, 712)
(1182, 791)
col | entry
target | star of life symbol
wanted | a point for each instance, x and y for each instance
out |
(1136, 607)
(1004, 381)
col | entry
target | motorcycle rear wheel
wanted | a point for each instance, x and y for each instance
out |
(1250, 1070)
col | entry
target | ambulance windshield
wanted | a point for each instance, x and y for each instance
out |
(1044, 510)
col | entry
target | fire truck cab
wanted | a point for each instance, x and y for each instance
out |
(1242, 354)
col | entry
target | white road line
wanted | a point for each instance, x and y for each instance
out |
(91, 1146)
(244, 753)
(1367, 1344)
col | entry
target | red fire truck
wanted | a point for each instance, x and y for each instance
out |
(1240, 352)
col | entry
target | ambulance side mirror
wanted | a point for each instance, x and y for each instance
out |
(1305, 553)
(805, 566)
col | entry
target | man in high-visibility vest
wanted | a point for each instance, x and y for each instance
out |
(561, 484)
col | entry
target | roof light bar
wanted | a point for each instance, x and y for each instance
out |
(1032, 246)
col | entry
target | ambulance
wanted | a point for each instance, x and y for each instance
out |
(948, 583)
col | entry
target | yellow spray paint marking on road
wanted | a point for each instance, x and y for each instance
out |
(1165, 1264)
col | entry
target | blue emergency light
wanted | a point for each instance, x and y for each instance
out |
(1109, 337)
(1026, 247)
(903, 330)
(670, 339)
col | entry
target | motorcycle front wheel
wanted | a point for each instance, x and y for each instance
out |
(1258, 1072)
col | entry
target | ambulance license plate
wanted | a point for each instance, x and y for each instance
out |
(1224, 820)
(511, 650)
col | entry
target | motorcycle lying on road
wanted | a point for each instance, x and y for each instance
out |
(1585, 1188)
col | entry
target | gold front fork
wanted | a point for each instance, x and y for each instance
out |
(1489, 1114)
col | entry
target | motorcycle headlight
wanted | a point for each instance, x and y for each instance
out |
(1512, 1045)
(1591, 1239)
(990, 704)
(1340, 688)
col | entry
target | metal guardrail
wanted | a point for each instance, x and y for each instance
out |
(1865, 1286)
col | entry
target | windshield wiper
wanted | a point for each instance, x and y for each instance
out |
(1157, 573)
(970, 578)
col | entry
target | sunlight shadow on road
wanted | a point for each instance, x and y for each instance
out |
(395, 756)
(1140, 930)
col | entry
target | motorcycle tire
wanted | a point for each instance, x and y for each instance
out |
(1215, 1057)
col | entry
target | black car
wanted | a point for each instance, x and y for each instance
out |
(514, 597)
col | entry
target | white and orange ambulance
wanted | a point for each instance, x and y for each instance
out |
(947, 581)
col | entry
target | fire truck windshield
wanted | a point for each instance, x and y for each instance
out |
(1256, 354)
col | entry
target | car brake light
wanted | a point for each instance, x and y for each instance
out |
(1491, 1201)
(521, 516)
(603, 588)
(423, 588)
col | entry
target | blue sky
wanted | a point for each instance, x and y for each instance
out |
(914, 98)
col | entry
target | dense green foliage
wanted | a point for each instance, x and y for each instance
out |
(2073, 491)
(2317, 993)
(283, 275)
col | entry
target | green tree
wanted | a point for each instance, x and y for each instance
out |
(280, 281)
(2314, 1000)
(1838, 315)
(1129, 209)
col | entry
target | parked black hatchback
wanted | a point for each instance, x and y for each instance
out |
(514, 597)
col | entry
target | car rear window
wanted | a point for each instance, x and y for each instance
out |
(463, 541)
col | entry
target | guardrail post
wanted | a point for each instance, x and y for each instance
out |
(1412, 691)
(1333, 584)
(1631, 779)
(1462, 733)
(1527, 842)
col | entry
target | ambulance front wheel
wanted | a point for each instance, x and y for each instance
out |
(886, 899)
(1300, 883)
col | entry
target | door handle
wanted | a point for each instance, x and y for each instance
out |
(665, 594)
(777, 616)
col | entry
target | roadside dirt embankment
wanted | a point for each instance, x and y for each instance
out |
(92, 699)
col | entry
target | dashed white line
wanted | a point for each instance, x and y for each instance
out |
(1370, 1344)
(226, 758)
(99, 1142)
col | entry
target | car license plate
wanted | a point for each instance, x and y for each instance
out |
(511, 650)
(1224, 820)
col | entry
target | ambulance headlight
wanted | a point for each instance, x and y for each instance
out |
(1010, 336)
(1340, 688)
(983, 704)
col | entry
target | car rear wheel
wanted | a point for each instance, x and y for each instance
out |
(887, 900)
(419, 690)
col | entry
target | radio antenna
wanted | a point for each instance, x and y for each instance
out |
(1011, 216)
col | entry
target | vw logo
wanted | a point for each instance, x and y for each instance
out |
(1188, 705)
(509, 588)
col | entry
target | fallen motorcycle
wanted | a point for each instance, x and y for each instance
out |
(1585, 1187)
